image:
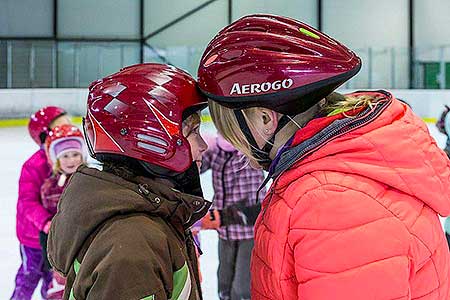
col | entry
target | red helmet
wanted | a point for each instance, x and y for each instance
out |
(273, 62)
(63, 138)
(38, 126)
(138, 113)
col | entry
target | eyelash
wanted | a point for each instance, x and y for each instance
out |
(194, 131)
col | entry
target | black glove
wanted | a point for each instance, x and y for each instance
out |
(43, 237)
(239, 214)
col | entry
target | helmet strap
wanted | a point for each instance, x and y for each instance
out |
(298, 121)
(187, 182)
(262, 155)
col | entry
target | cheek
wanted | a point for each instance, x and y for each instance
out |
(260, 141)
(63, 162)
(193, 145)
(61, 121)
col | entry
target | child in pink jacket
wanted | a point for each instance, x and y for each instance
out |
(66, 151)
(32, 217)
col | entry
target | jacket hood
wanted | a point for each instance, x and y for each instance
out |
(394, 149)
(92, 197)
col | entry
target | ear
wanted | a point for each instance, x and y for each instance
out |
(269, 121)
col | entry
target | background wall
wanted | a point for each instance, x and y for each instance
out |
(86, 41)
(25, 18)
(20, 103)
(378, 31)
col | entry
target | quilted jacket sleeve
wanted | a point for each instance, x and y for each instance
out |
(347, 245)
(29, 203)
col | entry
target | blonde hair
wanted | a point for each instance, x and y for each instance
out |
(57, 167)
(190, 122)
(338, 103)
(228, 126)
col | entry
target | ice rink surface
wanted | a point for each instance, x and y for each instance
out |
(16, 147)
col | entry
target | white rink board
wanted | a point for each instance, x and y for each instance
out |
(20, 103)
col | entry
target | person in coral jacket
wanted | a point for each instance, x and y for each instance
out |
(443, 125)
(358, 182)
(31, 216)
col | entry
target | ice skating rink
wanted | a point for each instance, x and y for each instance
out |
(16, 147)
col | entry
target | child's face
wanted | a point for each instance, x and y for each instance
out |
(61, 120)
(70, 161)
(191, 130)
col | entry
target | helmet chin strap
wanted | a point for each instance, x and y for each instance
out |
(262, 155)
(187, 182)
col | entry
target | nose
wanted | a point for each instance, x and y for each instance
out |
(203, 146)
(74, 159)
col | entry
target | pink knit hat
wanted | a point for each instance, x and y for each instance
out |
(63, 139)
(65, 146)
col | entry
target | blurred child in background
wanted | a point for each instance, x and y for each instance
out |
(66, 151)
(443, 125)
(235, 210)
(31, 216)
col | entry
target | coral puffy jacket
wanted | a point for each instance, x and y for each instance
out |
(358, 218)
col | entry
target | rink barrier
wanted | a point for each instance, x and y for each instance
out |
(16, 105)
(76, 120)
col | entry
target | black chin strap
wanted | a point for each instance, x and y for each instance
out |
(261, 155)
(187, 182)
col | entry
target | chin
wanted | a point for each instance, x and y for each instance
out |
(255, 165)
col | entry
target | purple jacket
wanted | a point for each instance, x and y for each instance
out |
(234, 181)
(31, 215)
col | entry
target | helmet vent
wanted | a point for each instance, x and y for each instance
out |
(232, 54)
(152, 139)
(273, 48)
(152, 148)
(255, 28)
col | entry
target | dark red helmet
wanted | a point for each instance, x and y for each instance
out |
(38, 126)
(273, 62)
(138, 113)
